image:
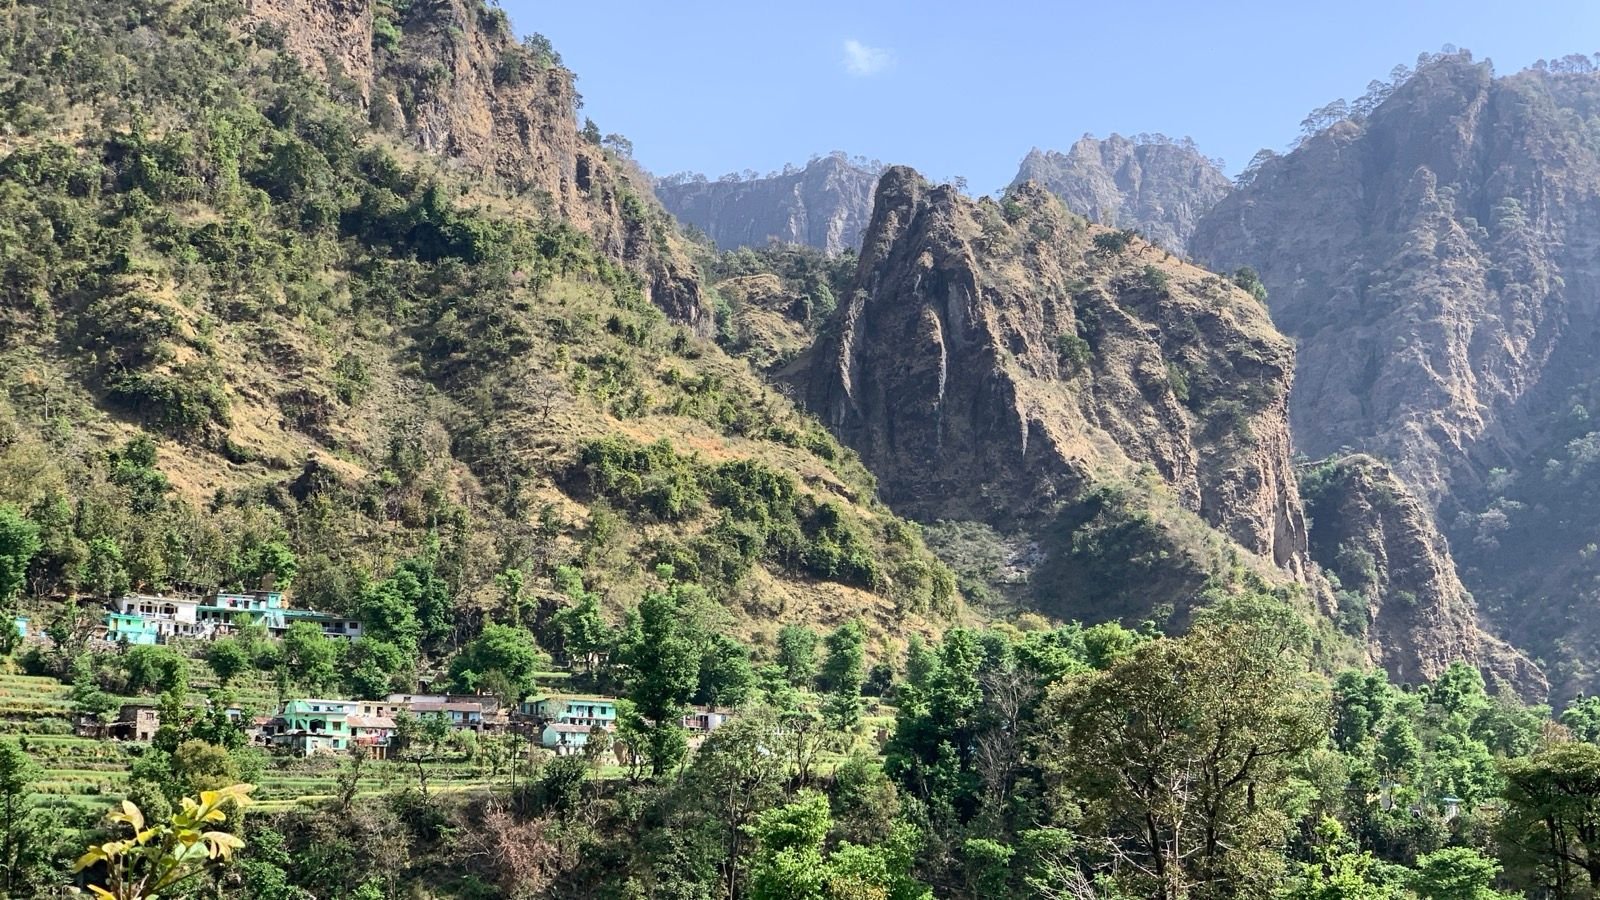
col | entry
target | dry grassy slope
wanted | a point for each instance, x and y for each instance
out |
(998, 360)
(763, 324)
(539, 419)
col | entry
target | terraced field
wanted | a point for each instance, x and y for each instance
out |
(86, 772)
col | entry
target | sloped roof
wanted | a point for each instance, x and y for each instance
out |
(370, 722)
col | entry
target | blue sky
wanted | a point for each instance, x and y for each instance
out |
(967, 88)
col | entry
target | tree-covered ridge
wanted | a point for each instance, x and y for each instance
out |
(242, 319)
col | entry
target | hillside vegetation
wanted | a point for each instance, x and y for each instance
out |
(239, 318)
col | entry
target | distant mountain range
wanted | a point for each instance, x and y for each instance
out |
(1151, 184)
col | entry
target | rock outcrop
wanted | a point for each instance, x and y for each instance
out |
(825, 205)
(1430, 260)
(450, 75)
(1000, 361)
(331, 38)
(1158, 187)
(1436, 261)
(1397, 586)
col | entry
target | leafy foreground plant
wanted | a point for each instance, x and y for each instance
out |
(161, 857)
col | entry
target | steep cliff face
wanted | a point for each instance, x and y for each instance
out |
(1158, 187)
(1434, 261)
(1396, 582)
(1437, 262)
(450, 75)
(1000, 362)
(825, 205)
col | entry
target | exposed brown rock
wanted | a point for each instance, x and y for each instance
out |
(1399, 587)
(995, 361)
(1417, 256)
(331, 38)
(1436, 261)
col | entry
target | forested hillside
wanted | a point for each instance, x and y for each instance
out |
(394, 503)
(240, 320)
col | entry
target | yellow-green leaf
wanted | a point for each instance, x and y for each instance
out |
(222, 843)
(88, 859)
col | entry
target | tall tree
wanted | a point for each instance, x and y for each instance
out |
(663, 659)
(797, 654)
(844, 670)
(19, 541)
(1178, 753)
(1553, 820)
(18, 772)
(311, 657)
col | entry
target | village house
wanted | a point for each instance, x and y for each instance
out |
(264, 608)
(312, 726)
(569, 721)
(576, 710)
(152, 618)
(371, 733)
(469, 711)
(566, 739)
(137, 721)
(462, 714)
(331, 625)
(702, 720)
(390, 707)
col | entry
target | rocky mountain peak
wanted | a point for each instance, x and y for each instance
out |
(1005, 361)
(451, 76)
(1154, 185)
(1434, 257)
(825, 205)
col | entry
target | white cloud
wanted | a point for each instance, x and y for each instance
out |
(862, 61)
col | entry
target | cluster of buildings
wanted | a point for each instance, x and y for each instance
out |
(159, 619)
(311, 726)
(562, 724)
(314, 726)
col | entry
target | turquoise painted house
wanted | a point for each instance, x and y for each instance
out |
(255, 607)
(132, 628)
(585, 711)
(570, 720)
(315, 726)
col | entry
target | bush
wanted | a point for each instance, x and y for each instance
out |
(1178, 380)
(181, 405)
(1074, 352)
(1113, 242)
(1155, 279)
(1247, 279)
